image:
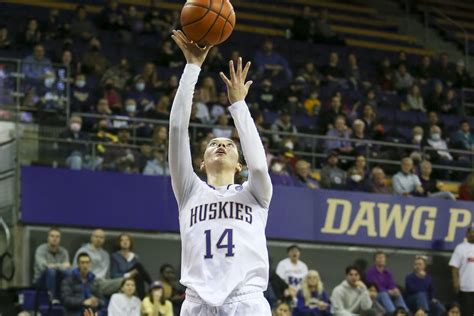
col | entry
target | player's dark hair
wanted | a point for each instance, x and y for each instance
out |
(351, 268)
(82, 254)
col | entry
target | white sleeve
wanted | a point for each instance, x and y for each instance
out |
(180, 161)
(280, 271)
(259, 181)
(456, 258)
(115, 307)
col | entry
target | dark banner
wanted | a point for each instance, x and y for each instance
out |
(120, 201)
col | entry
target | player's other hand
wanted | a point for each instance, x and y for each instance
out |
(90, 312)
(237, 88)
(192, 52)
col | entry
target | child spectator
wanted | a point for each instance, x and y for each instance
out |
(155, 303)
(125, 303)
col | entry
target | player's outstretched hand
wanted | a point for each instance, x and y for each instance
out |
(192, 52)
(237, 88)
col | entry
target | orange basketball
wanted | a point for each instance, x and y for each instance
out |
(208, 22)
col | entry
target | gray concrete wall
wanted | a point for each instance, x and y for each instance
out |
(156, 249)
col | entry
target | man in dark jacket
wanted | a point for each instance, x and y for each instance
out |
(80, 290)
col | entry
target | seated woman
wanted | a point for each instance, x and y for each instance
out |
(155, 303)
(125, 263)
(312, 299)
(125, 303)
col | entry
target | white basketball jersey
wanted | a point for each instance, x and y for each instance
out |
(222, 229)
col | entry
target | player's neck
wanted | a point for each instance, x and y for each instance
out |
(220, 179)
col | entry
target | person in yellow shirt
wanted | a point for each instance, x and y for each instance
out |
(155, 303)
(312, 104)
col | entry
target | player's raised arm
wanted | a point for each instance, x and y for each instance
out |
(180, 161)
(237, 88)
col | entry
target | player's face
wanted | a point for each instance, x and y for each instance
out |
(128, 288)
(54, 238)
(221, 153)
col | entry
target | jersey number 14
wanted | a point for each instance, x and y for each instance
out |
(226, 236)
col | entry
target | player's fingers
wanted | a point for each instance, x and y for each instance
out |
(177, 40)
(232, 70)
(239, 68)
(225, 79)
(183, 36)
(248, 84)
(245, 71)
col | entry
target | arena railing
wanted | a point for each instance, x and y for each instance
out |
(386, 154)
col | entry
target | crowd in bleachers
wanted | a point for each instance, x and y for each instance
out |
(400, 100)
(119, 283)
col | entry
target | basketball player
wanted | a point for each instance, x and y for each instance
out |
(224, 260)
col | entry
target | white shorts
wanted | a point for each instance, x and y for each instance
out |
(248, 304)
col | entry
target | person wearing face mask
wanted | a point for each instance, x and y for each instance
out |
(80, 96)
(405, 182)
(48, 96)
(435, 141)
(76, 152)
(139, 92)
(333, 177)
(279, 173)
(131, 108)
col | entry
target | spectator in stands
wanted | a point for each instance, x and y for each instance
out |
(323, 32)
(36, 65)
(311, 75)
(81, 96)
(433, 120)
(172, 290)
(444, 70)
(125, 263)
(100, 259)
(141, 93)
(333, 177)
(219, 107)
(51, 264)
(405, 182)
(125, 303)
(369, 117)
(122, 157)
(133, 20)
(302, 28)
(222, 128)
(354, 74)
(93, 61)
(111, 17)
(150, 76)
(357, 175)
(332, 71)
(81, 25)
(271, 64)
(403, 80)
(214, 61)
(154, 20)
(81, 290)
(462, 79)
(104, 135)
(103, 108)
(113, 97)
(389, 295)
(208, 90)
(265, 96)
(450, 104)
(312, 104)
(119, 75)
(279, 172)
(402, 59)
(291, 99)
(376, 306)
(378, 183)
(425, 71)
(312, 299)
(419, 290)
(292, 270)
(132, 110)
(358, 132)
(32, 34)
(303, 175)
(329, 116)
(436, 98)
(463, 138)
(415, 99)
(462, 265)
(453, 309)
(68, 63)
(282, 124)
(340, 130)
(282, 309)
(437, 142)
(158, 166)
(160, 138)
(466, 189)
(432, 187)
(351, 296)
(168, 57)
(155, 303)
(77, 155)
(5, 40)
(49, 95)
(52, 25)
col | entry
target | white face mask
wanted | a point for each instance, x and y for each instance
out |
(140, 86)
(356, 177)
(289, 145)
(436, 136)
(418, 138)
(80, 83)
(277, 167)
(75, 127)
(48, 82)
(131, 108)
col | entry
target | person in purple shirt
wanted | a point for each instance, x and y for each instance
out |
(389, 295)
(271, 64)
(340, 130)
(419, 290)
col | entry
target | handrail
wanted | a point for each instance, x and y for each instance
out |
(466, 34)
